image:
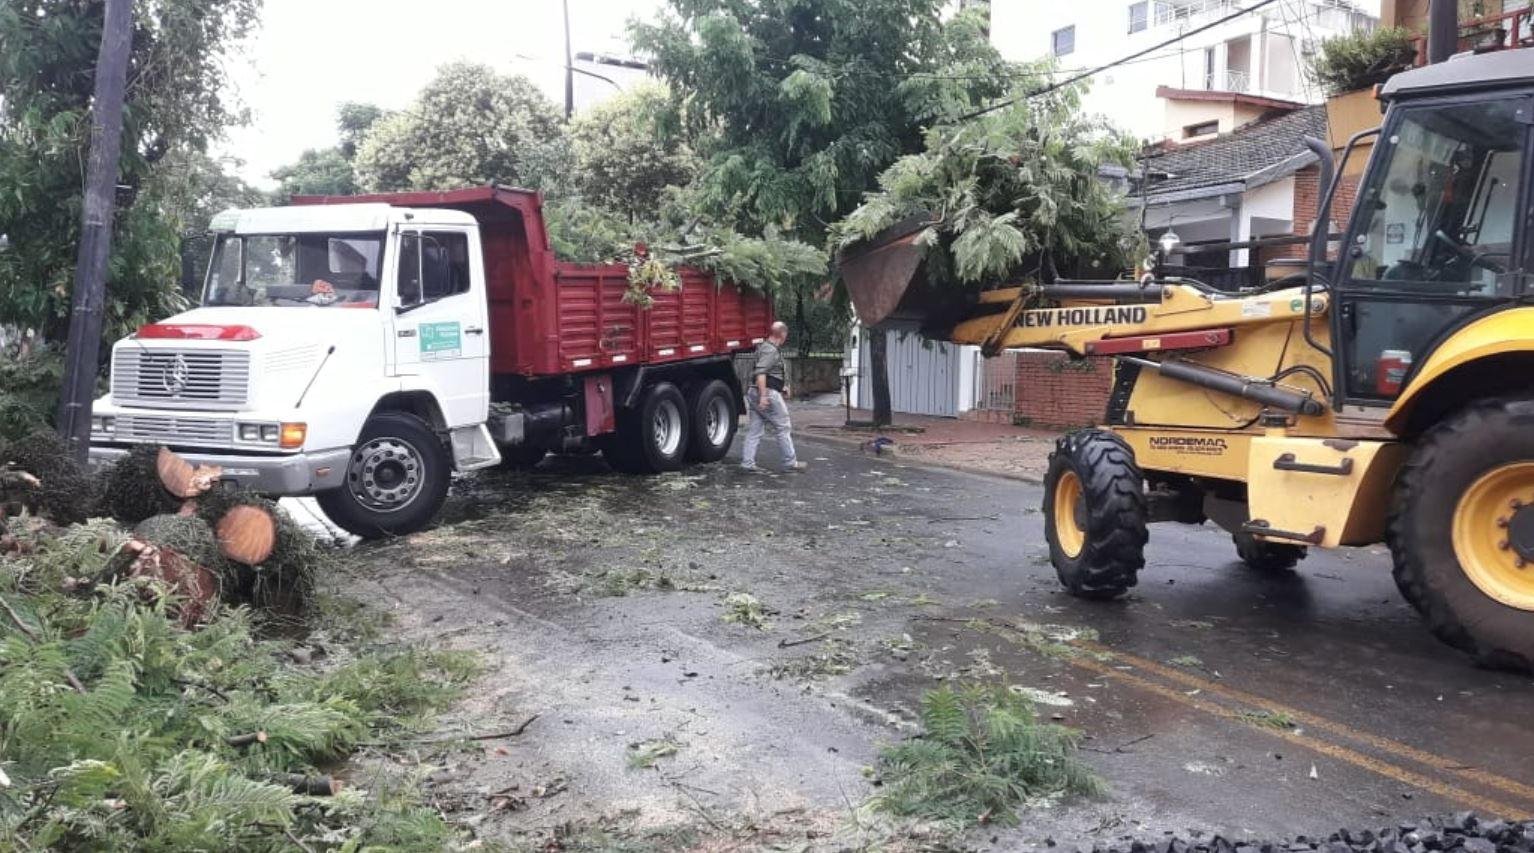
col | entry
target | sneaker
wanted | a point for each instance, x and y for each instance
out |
(796, 466)
(750, 469)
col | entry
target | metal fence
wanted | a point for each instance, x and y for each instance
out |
(996, 383)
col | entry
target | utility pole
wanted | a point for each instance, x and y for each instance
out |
(569, 68)
(1442, 30)
(96, 227)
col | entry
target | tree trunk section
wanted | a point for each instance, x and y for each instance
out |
(879, 375)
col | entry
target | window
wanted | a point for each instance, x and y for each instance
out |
(1139, 16)
(1204, 128)
(295, 269)
(1435, 227)
(1063, 41)
(432, 265)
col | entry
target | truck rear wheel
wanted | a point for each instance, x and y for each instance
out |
(1094, 514)
(1265, 556)
(396, 479)
(652, 437)
(715, 416)
(1462, 531)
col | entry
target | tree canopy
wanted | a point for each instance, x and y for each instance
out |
(175, 105)
(468, 126)
(624, 160)
(802, 104)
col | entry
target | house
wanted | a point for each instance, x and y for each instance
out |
(1251, 183)
(1261, 54)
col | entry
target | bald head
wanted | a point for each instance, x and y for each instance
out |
(778, 333)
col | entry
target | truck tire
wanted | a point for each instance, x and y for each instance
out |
(1461, 531)
(396, 479)
(652, 437)
(715, 417)
(1094, 514)
(1265, 556)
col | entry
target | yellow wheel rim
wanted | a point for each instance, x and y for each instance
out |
(1068, 533)
(1494, 534)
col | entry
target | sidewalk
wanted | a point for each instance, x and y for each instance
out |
(1000, 450)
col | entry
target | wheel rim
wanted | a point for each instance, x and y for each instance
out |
(716, 423)
(667, 427)
(1494, 534)
(1069, 502)
(386, 474)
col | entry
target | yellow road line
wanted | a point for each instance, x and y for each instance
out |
(1341, 753)
(1386, 745)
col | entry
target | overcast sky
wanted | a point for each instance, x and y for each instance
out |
(311, 55)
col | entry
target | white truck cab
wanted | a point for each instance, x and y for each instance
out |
(335, 348)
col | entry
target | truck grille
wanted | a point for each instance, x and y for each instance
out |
(187, 378)
(168, 429)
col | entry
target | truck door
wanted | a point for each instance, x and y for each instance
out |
(1436, 237)
(439, 319)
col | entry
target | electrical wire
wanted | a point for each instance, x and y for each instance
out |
(1117, 62)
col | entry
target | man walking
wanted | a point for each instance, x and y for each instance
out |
(765, 404)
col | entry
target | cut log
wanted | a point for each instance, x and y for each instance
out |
(246, 534)
(195, 585)
(317, 786)
(183, 479)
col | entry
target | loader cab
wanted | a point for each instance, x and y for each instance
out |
(1440, 231)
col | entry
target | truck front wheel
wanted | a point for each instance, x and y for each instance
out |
(1094, 514)
(396, 479)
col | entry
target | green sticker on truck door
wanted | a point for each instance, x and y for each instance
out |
(440, 340)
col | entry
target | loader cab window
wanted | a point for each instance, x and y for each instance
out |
(433, 265)
(1433, 236)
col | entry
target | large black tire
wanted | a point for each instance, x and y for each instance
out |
(396, 478)
(715, 415)
(1265, 556)
(1097, 537)
(1450, 467)
(651, 437)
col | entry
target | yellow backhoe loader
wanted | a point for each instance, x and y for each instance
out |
(1387, 395)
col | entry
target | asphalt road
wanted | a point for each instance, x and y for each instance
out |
(1213, 698)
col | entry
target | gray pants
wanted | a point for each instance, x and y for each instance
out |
(775, 418)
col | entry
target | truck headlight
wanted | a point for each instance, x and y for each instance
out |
(269, 433)
(103, 424)
(250, 432)
(257, 433)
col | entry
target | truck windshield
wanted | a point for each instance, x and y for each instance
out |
(295, 269)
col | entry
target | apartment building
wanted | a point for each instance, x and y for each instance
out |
(1210, 83)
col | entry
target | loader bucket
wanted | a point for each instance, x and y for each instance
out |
(879, 271)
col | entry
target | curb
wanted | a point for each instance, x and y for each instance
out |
(848, 441)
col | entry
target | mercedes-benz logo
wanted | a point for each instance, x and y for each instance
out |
(175, 374)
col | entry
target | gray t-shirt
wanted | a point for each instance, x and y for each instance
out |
(769, 361)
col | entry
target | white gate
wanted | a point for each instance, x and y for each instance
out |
(996, 383)
(926, 377)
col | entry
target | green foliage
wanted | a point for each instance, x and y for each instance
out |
(138, 759)
(623, 159)
(799, 106)
(354, 120)
(284, 583)
(130, 489)
(982, 752)
(29, 390)
(468, 126)
(1017, 187)
(1361, 59)
(175, 105)
(324, 171)
(66, 493)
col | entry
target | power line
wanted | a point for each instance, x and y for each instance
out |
(1115, 63)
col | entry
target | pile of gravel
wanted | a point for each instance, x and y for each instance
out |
(1464, 833)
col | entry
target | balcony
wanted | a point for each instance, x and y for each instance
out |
(1188, 11)
(1229, 80)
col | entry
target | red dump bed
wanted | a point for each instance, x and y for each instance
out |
(549, 317)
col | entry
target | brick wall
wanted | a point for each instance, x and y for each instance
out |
(1056, 391)
(1307, 197)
